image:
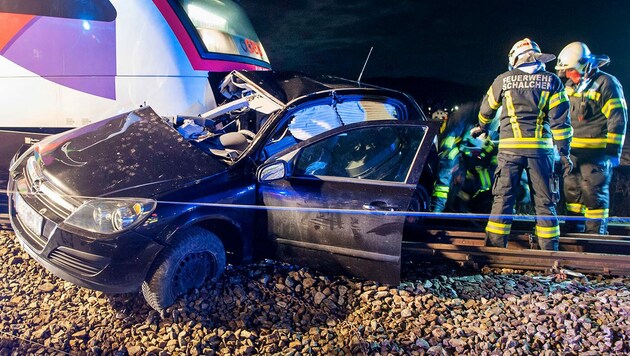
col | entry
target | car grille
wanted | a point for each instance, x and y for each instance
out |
(46, 193)
(63, 258)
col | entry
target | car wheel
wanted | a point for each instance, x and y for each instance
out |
(194, 255)
(419, 203)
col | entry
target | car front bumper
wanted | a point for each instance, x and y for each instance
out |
(113, 266)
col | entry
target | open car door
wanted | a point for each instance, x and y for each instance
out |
(336, 201)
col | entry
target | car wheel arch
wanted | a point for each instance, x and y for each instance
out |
(227, 230)
(230, 234)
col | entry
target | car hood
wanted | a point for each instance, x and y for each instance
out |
(133, 154)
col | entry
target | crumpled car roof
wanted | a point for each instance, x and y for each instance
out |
(288, 86)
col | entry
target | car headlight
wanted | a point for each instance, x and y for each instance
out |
(110, 216)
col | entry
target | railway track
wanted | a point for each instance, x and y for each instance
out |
(460, 243)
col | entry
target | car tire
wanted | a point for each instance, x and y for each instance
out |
(419, 203)
(194, 255)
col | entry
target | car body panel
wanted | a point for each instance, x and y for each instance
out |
(325, 232)
(342, 225)
(127, 151)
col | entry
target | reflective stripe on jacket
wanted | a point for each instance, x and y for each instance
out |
(535, 112)
(599, 114)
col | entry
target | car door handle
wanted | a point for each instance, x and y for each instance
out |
(379, 205)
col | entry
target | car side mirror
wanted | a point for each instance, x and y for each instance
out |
(272, 171)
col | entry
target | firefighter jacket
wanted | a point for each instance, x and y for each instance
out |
(535, 112)
(599, 115)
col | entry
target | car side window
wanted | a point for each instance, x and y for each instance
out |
(375, 152)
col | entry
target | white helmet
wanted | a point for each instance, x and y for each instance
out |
(527, 51)
(576, 55)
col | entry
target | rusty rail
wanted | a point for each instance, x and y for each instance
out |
(609, 254)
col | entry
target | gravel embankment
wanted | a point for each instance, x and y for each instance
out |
(272, 308)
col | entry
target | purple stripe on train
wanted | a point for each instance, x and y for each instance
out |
(74, 53)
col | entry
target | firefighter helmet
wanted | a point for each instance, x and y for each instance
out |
(527, 51)
(576, 55)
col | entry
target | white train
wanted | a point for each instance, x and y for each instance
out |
(66, 63)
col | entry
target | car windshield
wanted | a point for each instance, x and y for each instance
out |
(317, 117)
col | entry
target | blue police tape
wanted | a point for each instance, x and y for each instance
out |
(442, 216)
(467, 216)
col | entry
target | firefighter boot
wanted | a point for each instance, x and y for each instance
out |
(573, 226)
(548, 244)
(496, 240)
(596, 226)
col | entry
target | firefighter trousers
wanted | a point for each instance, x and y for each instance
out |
(587, 194)
(442, 185)
(544, 189)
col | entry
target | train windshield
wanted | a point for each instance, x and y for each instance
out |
(221, 27)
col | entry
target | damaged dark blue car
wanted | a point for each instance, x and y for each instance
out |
(300, 169)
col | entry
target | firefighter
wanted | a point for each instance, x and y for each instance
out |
(535, 114)
(452, 137)
(599, 115)
(479, 159)
(451, 132)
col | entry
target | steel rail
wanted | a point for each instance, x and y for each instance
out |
(612, 244)
(605, 254)
(528, 259)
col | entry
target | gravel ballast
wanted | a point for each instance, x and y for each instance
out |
(274, 308)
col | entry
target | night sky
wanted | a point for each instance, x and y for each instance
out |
(461, 41)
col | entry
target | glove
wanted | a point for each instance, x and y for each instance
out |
(614, 161)
(613, 153)
(567, 165)
(477, 131)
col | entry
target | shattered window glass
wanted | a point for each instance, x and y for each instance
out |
(314, 120)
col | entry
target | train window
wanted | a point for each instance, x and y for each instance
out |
(95, 10)
(221, 27)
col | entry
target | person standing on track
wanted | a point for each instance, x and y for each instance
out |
(535, 115)
(600, 116)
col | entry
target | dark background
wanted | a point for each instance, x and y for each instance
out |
(445, 50)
